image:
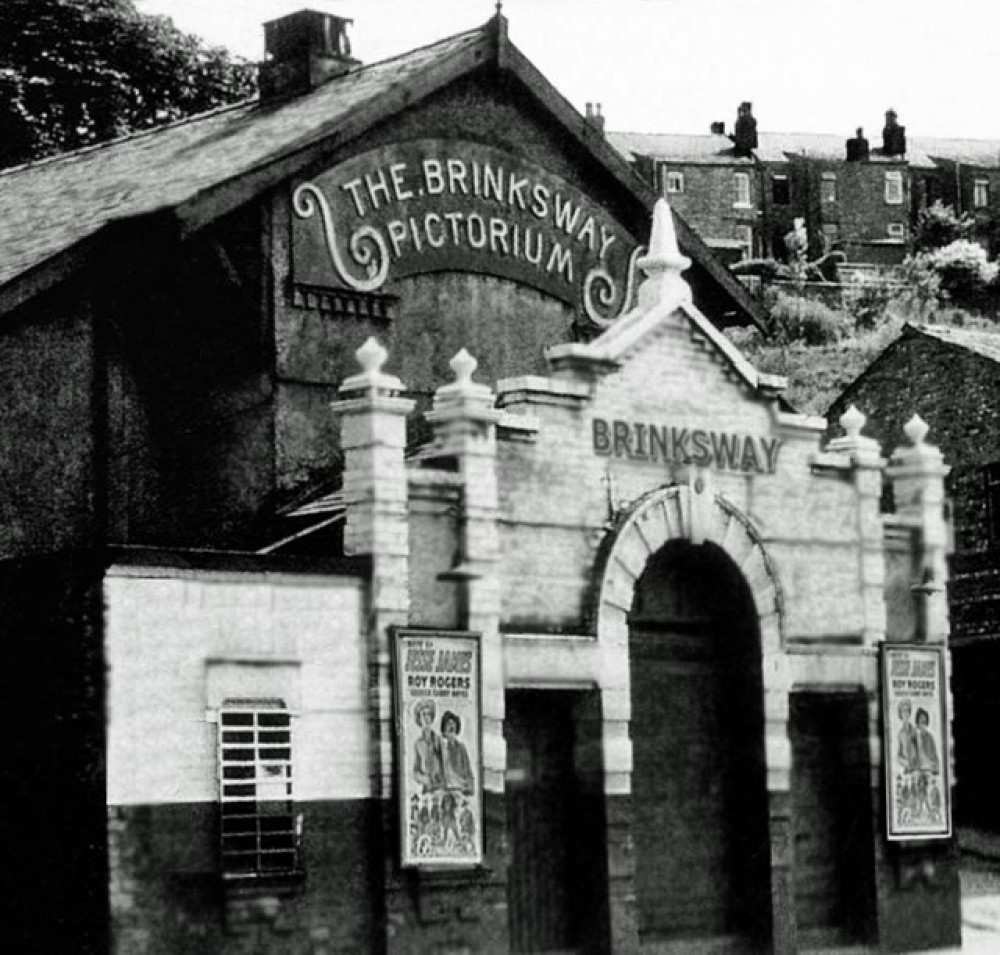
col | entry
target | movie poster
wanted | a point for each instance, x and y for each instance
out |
(438, 746)
(917, 758)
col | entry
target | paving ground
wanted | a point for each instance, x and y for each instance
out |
(980, 894)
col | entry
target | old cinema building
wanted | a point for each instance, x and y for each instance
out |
(398, 558)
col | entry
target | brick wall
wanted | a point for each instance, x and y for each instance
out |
(179, 643)
(708, 202)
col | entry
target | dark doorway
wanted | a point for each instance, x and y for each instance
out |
(832, 816)
(699, 773)
(556, 890)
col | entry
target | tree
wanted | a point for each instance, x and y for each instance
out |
(78, 72)
(939, 225)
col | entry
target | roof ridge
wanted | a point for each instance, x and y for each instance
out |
(215, 111)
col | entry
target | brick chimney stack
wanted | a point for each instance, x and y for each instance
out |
(893, 135)
(857, 148)
(745, 130)
(303, 51)
(594, 118)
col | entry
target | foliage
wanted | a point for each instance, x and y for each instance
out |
(77, 72)
(939, 225)
(799, 319)
(962, 268)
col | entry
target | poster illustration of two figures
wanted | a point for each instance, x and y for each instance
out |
(438, 706)
(917, 778)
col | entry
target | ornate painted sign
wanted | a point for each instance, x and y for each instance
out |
(917, 757)
(433, 205)
(438, 745)
(649, 441)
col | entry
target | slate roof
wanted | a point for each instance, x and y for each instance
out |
(49, 206)
(711, 149)
(972, 152)
(983, 343)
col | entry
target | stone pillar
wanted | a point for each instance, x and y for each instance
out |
(471, 906)
(917, 473)
(921, 896)
(868, 464)
(373, 439)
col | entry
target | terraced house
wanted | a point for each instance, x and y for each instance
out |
(859, 195)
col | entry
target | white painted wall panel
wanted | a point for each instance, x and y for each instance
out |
(179, 642)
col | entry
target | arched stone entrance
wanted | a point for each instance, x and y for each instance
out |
(699, 775)
(696, 702)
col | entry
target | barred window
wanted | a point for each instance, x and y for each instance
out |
(257, 817)
(981, 193)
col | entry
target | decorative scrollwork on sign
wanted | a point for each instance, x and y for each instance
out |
(599, 292)
(367, 247)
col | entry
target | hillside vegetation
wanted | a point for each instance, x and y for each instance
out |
(822, 335)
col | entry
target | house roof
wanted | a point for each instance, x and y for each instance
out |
(711, 149)
(53, 213)
(973, 152)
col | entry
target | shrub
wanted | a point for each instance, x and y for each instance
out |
(939, 225)
(962, 267)
(799, 319)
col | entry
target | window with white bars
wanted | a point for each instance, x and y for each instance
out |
(257, 815)
(981, 193)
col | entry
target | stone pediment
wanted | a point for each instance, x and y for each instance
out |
(664, 302)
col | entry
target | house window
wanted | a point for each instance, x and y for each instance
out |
(741, 181)
(673, 182)
(780, 190)
(745, 234)
(981, 193)
(257, 818)
(894, 188)
(896, 230)
(992, 472)
(828, 187)
(831, 236)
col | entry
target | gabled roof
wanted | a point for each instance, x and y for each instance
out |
(53, 213)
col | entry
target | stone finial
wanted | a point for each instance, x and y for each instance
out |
(916, 430)
(663, 263)
(371, 356)
(463, 364)
(852, 421)
(463, 397)
(371, 379)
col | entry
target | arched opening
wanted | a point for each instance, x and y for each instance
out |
(699, 780)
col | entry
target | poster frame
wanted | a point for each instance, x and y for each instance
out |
(896, 831)
(400, 637)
